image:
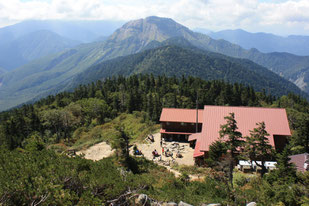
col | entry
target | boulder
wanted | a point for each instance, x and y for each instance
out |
(251, 204)
(181, 203)
(169, 204)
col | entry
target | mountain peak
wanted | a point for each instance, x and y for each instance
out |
(150, 29)
(156, 19)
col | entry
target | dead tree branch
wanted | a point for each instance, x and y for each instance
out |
(43, 199)
(127, 195)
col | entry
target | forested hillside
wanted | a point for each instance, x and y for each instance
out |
(99, 102)
(34, 137)
(60, 115)
(182, 59)
(189, 61)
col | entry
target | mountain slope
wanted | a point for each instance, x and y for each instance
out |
(33, 78)
(265, 42)
(32, 46)
(177, 61)
(42, 76)
(42, 43)
(137, 34)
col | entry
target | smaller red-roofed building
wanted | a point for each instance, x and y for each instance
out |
(178, 124)
(301, 161)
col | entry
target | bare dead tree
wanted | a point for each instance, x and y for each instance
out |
(126, 196)
(38, 202)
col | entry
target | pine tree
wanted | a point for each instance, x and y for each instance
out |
(121, 144)
(303, 131)
(257, 147)
(286, 170)
(233, 141)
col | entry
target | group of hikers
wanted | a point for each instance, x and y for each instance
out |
(165, 151)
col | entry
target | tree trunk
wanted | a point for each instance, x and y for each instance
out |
(264, 170)
(231, 172)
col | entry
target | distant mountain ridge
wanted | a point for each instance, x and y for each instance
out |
(82, 31)
(265, 42)
(42, 76)
(176, 58)
(32, 46)
(32, 39)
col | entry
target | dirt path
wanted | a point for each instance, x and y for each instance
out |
(97, 152)
(186, 151)
(102, 150)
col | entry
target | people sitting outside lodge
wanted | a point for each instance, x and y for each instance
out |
(178, 155)
(136, 151)
(155, 154)
(168, 153)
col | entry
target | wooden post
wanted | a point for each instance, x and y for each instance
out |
(196, 128)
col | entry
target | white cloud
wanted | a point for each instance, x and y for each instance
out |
(289, 16)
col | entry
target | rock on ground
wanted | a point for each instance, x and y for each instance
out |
(169, 204)
(181, 203)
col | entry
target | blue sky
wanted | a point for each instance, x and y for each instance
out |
(282, 17)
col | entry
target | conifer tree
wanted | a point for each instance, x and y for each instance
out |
(286, 170)
(257, 147)
(121, 144)
(303, 131)
(233, 140)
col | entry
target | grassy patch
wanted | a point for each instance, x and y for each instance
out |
(135, 125)
(191, 170)
(240, 179)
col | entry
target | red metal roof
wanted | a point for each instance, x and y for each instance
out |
(194, 136)
(275, 119)
(181, 115)
(299, 160)
(197, 152)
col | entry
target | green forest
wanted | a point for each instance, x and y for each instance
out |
(35, 139)
(179, 58)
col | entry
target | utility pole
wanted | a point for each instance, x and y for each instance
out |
(196, 128)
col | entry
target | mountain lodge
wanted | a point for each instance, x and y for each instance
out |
(179, 124)
(201, 128)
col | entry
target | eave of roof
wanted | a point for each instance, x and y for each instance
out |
(163, 131)
(197, 152)
(181, 115)
(194, 136)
